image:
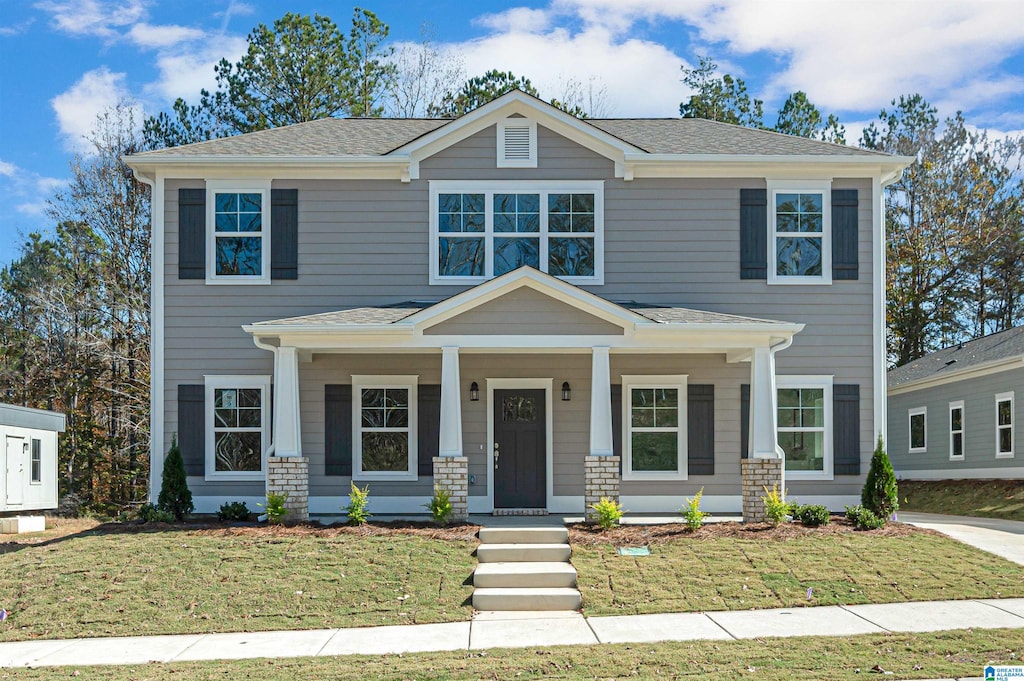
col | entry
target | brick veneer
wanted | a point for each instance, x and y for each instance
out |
(452, 473)
(290, 475)
(758, 474)
(602, 480)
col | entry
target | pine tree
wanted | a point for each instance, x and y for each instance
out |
(881, 494)
(175, 496)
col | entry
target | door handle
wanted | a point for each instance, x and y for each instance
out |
(496, 456)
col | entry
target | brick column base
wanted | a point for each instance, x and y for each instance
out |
(757, 475)
(290, 475)
(601, 474)
(452, 473)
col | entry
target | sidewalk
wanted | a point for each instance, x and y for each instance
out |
(1004, 538)
(527, 629)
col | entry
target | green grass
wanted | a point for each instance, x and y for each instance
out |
(910, 656)
(103, 583)
(978, 498)
(691, 574)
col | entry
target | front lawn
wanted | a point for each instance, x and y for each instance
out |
(119, 580)
(979, 498)
(740, 567)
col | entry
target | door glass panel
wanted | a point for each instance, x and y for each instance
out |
(518, 409)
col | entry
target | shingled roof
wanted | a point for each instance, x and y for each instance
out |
(1004, 345)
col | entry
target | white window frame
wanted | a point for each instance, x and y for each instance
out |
(214, 187)
(1006, 397)
(911, 413)
(824, 187)
(812, 382)
(504, 162)
(489, 188)
(675, 382)
(409, 383)
(227, 382)
(32, 442)
(959, 404)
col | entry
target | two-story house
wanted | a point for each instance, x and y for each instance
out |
(529, 309)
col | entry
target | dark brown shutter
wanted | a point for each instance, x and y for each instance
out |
(284, 233)
(191, 233)
(844, 234)
(846, 429)
(429, 425)
(753, 234)
(700, 426)
(616, 389)
(338, 430)
(744, 420)
(192, 427)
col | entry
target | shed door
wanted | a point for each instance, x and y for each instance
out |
(17, 454)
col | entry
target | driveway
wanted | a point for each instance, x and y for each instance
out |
(1002, 537)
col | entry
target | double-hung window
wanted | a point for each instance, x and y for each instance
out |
(800, 233)
(956, 431)
(36, 462)
(918, 433)
(384, 411)
(237, 427)
(481, 230)
(238, 236)
(654, 411)
(1004, 425)
(804, 411)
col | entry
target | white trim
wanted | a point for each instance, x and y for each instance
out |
(156, 337)
(490, 187)
(545, 384)
(991, 473)
(261, 187)
(878, 305)
(531, 128)
(911, 413)
(213, 382)
(1006, 397)
(823, 187)
(958, 404)
(407, 382)
(211, 503)
(813, 382)
(677, 382)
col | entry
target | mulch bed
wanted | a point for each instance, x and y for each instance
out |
(463, 532)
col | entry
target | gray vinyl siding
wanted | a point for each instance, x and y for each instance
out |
(978, 395)
(525, 312)
(666, 241)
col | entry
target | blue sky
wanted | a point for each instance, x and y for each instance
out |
(63, 61)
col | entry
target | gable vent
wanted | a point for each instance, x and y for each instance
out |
(517, 144)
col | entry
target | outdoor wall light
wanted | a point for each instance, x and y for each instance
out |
(474, 392)
(566, 391)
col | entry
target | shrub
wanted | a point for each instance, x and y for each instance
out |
(775, 505)
(175, 498)
(357, 502)
(440, 506)
(148, 513)
(235, 510)
(609, 512)
(864, 518)
(881, 494)
(275, 507)
(812, 515)
(692, 514)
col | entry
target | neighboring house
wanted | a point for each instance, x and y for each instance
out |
(516, 304)
(28, 460)
(958, 412)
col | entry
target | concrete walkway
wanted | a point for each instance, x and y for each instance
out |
(524, 629)
(1002, 537)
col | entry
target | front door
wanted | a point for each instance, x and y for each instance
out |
(16, 447)
(520, 475)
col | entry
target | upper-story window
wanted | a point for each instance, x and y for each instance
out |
(239, 239)
(484, 230)
(799, 230)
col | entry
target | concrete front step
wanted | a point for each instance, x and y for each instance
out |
(524, 575)
(526, 599)
(523, 553)
(524, 535)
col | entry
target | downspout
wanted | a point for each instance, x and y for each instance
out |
(272, 348)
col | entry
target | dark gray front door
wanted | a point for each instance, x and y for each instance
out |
(519, 449)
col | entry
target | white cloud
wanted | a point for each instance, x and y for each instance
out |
(16, 29)
(93, 17)
(517, 20)
(183, 72)
(27, 190)
(7, 169)
(149, 36)
(78, 107)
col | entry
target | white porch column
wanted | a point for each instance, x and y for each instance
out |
(287, 429)
(765, 466)
(451, 403)
(600, 404)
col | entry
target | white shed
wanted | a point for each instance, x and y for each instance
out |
(28, 458)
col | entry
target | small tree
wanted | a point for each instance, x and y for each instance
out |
(881, 494)
(175, 496)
